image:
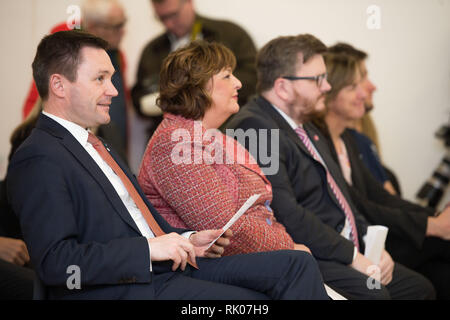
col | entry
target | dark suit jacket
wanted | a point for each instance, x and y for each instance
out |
(70, 214)
(302, 199)
(9, 224)
(404, 219)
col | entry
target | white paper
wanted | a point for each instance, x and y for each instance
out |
(247, 204)
(375, 239)
(333, 294)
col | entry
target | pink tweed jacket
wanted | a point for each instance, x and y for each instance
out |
(192, 191)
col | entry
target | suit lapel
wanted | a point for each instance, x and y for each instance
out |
(283, 125)
(323, 148)
(86, 161)
(159, 219)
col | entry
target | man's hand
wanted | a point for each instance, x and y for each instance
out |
(364, 265)
(202, 239)
(180, 250)
(14, 251)
(173, 247)
(301, 247)
(387, 267)
(440, 226)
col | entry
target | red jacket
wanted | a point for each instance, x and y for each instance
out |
(203, 196)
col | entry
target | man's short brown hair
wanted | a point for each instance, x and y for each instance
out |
(185, 74)
(279, 56)
(60, 53)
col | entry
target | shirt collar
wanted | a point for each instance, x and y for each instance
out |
(289, 120)
(79, 133)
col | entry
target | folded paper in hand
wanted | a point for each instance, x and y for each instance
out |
(250, 201)
(375, 239)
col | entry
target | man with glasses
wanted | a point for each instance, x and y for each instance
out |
(309, 195)
(182, 25)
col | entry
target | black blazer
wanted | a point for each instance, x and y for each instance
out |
(9, 224)
(302, 200)
(405, 220)
(70, 214)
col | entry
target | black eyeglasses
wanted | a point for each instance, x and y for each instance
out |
(318, 79)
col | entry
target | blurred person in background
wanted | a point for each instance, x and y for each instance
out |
(365, 132)
(105, 19)
(182, 24)
(416, 237)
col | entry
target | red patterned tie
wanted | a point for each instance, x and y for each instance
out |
(333, 185)
(156, 229)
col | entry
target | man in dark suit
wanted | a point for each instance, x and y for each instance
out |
(90, 231)
(309, 198)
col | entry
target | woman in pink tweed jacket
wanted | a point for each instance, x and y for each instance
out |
(195, 176)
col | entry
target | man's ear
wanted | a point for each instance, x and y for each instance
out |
(57, 85)
(283, 89)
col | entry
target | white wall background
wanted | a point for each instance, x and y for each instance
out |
(409, 61)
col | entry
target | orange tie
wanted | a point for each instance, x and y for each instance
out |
(156, 229)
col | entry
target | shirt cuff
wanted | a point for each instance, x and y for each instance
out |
(184, 234)
(188, 234)
(149, 256)
(355, 252)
